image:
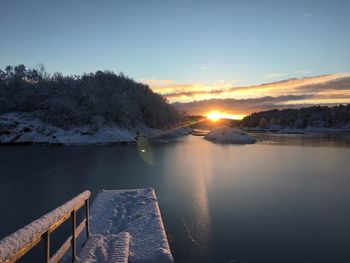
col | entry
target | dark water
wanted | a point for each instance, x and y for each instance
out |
(286, 199)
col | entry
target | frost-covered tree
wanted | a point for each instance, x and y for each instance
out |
(315, 117)
(67, 101)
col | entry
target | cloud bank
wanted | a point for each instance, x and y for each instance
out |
(198, 98)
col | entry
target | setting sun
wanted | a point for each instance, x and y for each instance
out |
(214, 116)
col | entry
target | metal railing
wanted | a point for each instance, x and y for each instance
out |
(14, 246)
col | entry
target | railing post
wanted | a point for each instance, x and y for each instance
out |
(47, 246)
(87, 216)
(74, 242)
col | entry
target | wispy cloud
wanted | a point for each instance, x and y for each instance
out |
(285, 74)
(189, 91)
(275, 75)
(302, 71)
(247, 106)
(240, 106)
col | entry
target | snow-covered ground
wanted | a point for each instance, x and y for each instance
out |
(28, 128)
(229, 135)
(127, 222)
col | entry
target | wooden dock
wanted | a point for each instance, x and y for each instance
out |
(124, 226)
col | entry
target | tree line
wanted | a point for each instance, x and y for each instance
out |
(313, 117)
(96, 98)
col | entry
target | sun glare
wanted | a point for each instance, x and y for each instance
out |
(214, 116)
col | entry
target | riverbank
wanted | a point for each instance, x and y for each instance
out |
(27, 128)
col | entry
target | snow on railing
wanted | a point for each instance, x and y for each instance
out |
(20, 242)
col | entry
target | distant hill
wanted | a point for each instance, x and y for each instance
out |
(93, 99)
(316, 117)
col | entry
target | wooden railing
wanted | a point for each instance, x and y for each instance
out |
(20, 242)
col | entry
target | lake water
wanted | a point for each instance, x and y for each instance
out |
(284, 199)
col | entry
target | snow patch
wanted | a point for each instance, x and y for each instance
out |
(229, 135)
(104, 249)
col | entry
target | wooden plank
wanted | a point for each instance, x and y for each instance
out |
(74, 238)
(47, 247)
(87, 216)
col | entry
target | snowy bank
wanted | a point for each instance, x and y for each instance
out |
(229, 135)
(27, 128)
(127, 222)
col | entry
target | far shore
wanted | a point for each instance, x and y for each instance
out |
(296, 131)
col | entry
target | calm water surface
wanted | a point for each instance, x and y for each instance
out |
(284, 199)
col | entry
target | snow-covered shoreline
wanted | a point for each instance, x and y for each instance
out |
(308, 130)
(27, 128)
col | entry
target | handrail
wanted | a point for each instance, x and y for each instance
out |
(20, 242)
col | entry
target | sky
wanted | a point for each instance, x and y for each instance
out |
(237, 102)
(202, 45)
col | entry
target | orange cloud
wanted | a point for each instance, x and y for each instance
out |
(198, 98)
(183, 92)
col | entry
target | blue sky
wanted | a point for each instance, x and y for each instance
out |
(245, 42)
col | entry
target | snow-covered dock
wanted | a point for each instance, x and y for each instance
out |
(127, 225)
(123, 226)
